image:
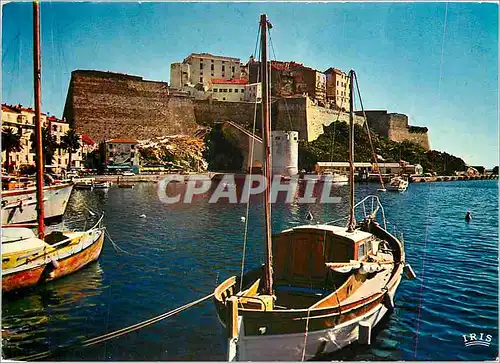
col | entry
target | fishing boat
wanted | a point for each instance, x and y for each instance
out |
(397, 184)
(322, 286)
(19, 205)
(27, 259)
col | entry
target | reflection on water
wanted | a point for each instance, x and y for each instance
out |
(179, 252)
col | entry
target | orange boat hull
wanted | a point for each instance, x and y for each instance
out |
(66, 266)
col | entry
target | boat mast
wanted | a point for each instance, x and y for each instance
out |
(266, 127)
(352, 220)
(37, 72)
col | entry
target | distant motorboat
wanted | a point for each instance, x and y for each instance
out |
(397, 184)
(334, 178)
(102, 185)
(126, 185)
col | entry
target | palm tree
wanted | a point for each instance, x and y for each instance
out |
(11, 142)
(71, 143)
(49, 145)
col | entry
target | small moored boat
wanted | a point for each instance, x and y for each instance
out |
(397, 184)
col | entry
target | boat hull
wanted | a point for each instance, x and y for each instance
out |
(290, 347)
(68, 260)
(19, 206)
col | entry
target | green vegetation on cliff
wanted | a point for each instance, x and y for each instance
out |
(333, 145)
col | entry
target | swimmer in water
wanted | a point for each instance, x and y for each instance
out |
(468, 217)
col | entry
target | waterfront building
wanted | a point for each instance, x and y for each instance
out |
(341, 167)
(285, 152)
(58, 128)
(201, 68)
(227, 90)
(121, 153)
(20, 120)
(337, 88)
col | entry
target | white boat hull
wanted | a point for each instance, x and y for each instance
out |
(19, 206)
(290, 347)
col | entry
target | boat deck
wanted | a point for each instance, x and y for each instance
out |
(372, 286)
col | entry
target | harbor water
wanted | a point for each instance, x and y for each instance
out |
(179, 252)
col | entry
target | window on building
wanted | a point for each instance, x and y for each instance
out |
(230, 90)
(215, 89)
(223, 68)
(201, 79)
(233, 69)
(212, 74)
(54, 127)
(223, 75)
(223, 98)
(132, 147)
(212, 67)
(337, 83)
(236, 90)
(201, 65)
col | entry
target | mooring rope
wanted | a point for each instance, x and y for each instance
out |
(116, 333)
(113, 243)
(305, 335)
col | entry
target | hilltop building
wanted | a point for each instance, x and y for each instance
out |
(201, 68)
(337, 89)
(291, 78)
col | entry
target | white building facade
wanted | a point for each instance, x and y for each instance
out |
(200, 68)
(253, 92)
(227, 90)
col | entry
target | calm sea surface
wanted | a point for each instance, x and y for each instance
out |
(179, 252)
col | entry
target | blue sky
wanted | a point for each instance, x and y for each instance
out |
(444, 76)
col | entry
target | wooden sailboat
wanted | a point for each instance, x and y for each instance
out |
(322, 286)
(28, 260)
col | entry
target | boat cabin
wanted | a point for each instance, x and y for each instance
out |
(301, 254)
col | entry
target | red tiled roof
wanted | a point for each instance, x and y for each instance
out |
(86, 139)
(8, 108)
(123, 141)
(229, 81)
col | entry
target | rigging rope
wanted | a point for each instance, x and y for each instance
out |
(117, 333)
(369, 132)
(279, 78)
(250, 166)
(334, 128)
